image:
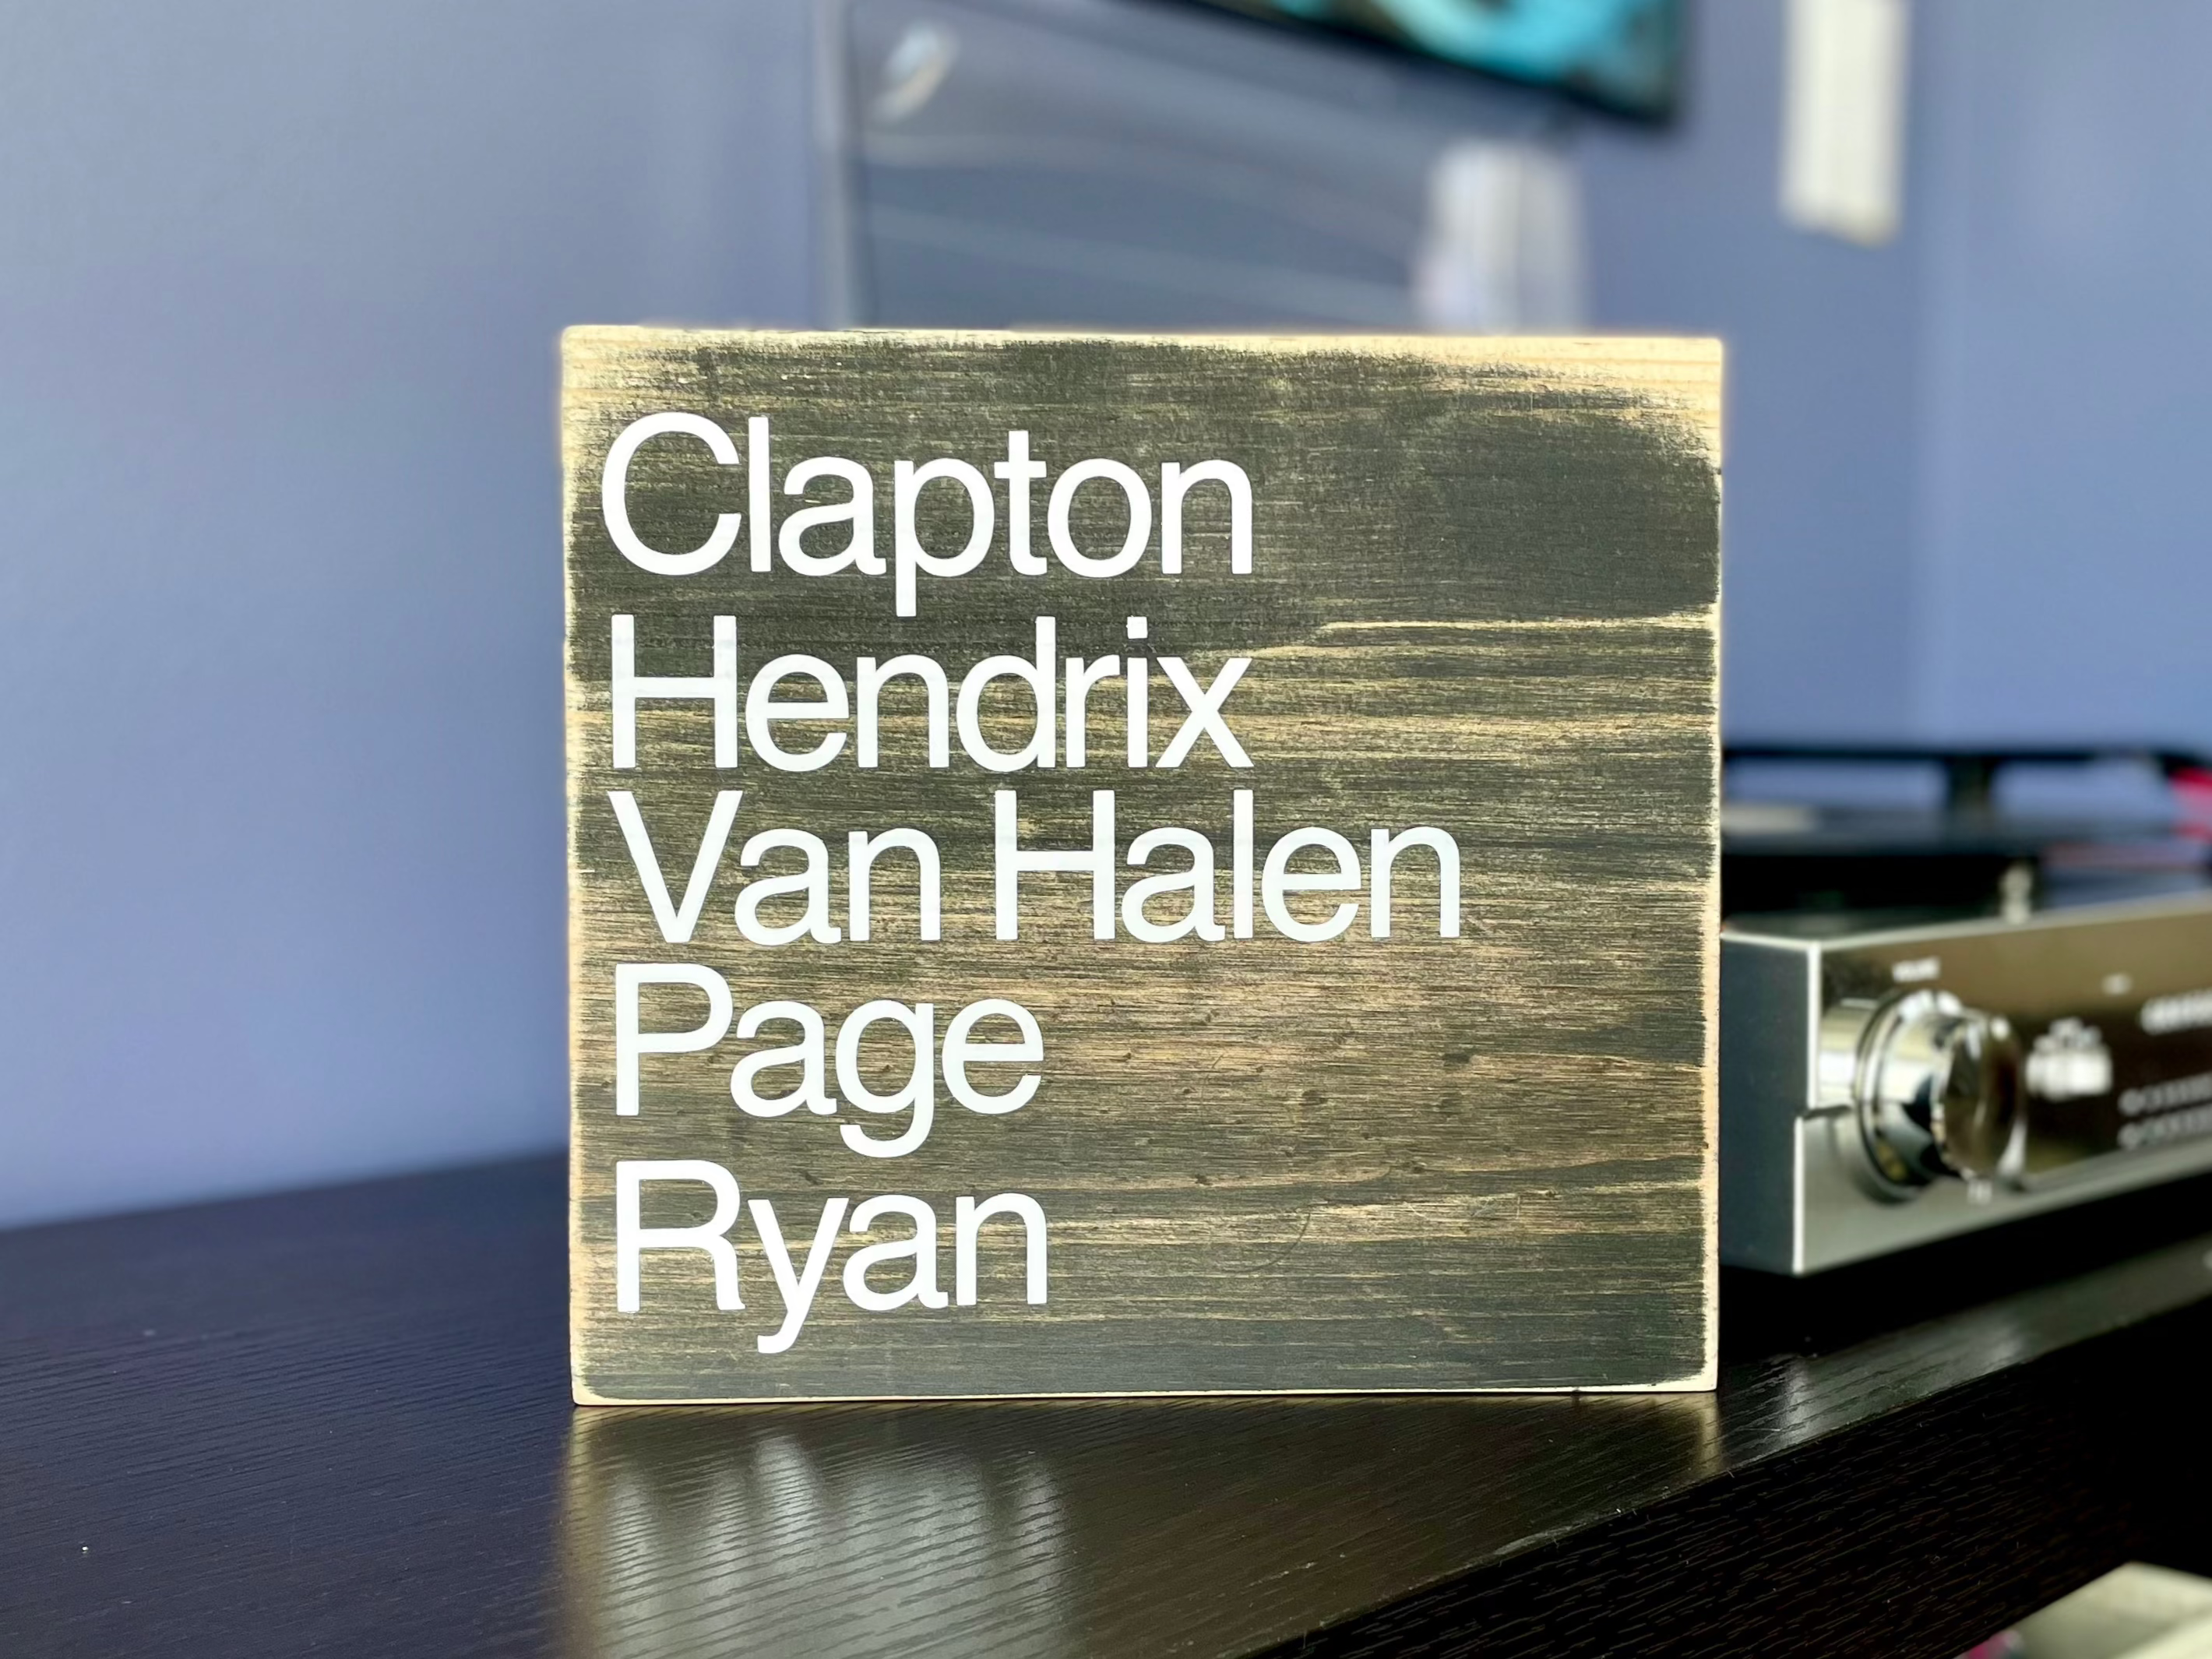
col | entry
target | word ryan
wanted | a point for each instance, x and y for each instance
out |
(799, 1283)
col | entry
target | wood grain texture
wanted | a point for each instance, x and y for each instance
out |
(334, 1422)
(1484, 596)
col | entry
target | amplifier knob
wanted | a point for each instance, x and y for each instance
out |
(1938, 1091)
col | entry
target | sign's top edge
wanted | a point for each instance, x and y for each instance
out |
(1701, 347)
(1679, 373)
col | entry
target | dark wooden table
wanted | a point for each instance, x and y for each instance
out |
(337, 1422)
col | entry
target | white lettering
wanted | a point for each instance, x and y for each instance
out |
(916, 1096)
(968, 1219)
(1081, 677)
(1384, 848)
(862, 850)
(858, 511)
(1205, 704)
(812, 884)
(1175, 483)
(628, 689)
(614, 496)
(1277, 878)
(757, 467)
(630, 1043)
(632, 1239)
(1011, 862)
(1197, 881)
(1240, 862)
(920, 1250)
(2184, 1011)
(676, 922)
(908, 553)
(873, 679)
(797, 1289)
(764, 708)
(1037, 676)
(1020, 472)
(807, 1053)
(1063, 500)
(962, 1051)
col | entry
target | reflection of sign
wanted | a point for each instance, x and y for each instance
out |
(1119, 865)
(1021, 1532)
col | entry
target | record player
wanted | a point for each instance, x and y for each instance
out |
(1940, 1019)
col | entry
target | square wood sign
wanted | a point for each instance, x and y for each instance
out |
(1128, 866)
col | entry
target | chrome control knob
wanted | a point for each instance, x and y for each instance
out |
(1937, 1086)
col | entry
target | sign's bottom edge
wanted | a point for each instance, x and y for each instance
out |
(1703, 1382)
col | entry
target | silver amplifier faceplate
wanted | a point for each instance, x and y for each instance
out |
(1881, 1090)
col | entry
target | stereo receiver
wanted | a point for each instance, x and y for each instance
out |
(1885, 1089)
(1890, 1079)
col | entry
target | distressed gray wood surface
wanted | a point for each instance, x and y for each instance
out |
(1484, 597)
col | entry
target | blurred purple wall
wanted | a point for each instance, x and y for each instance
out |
(280, 844)
(1963, 470)
(1823, 341)
(280, 607)
(2065, 545)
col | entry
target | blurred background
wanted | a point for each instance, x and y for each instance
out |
(280, 891)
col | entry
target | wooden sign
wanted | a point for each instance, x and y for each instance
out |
(1114, 865)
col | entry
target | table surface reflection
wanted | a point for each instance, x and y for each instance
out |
(338, 1422)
